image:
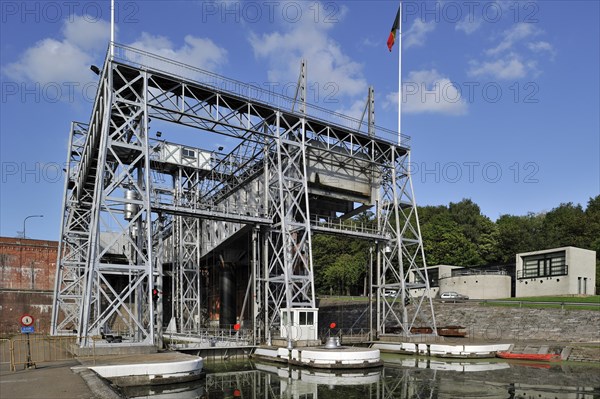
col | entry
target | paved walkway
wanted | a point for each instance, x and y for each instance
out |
(71, 379)
(54, 381)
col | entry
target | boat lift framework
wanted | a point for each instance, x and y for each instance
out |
(120, 222)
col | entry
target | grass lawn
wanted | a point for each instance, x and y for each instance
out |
(564, 302)
(565, 299)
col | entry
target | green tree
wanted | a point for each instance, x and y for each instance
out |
(326, 249)
(592, 232)
(345, 273)
(592, 225)
(564, 226)
(445, 243)
(472, 233)
(519, 234)
(340, 264)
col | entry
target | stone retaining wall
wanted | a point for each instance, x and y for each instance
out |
(488, 323)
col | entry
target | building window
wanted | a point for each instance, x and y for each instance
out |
(544, 265)
(306, 318)
(432, 276)
(188, 153)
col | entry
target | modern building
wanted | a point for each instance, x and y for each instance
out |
(478, 282)
(557, 271)
(434, 274)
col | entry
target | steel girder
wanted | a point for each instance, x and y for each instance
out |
(288, 278)
(73, 245)
(118, 292)
(262, 182)
(402, 253)
(187, 261)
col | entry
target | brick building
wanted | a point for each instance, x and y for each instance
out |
(27, 273)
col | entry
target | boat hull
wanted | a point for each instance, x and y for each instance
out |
(151, 373)
(548, 357)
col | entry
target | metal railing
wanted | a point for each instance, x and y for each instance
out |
(145, 60)
(348, 335)
(473, 273)
(562, 304)
(33, 349)
(555, 270)
(5, 353)
(210, 338)
(348, 224)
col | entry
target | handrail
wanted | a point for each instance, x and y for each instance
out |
(145, 60)
(557, 270)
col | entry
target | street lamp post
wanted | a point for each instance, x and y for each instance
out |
(25, 220)
(21, 252)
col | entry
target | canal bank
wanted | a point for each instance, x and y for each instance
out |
(483, 323)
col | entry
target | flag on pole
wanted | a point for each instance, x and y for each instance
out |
(392, 38)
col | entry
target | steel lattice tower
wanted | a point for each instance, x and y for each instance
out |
(137, 210)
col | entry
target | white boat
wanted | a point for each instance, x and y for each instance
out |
(153, 371)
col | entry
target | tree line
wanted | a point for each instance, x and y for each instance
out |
(459, 234)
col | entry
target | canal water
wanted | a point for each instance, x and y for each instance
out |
(401, 377)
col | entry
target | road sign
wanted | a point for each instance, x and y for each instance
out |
(26, 320)
(27, 330)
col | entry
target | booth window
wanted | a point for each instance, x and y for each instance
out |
(306, 318)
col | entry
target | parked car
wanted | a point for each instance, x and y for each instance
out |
(395, 294)
(453, 296)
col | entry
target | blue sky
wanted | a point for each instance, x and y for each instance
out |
(501, 99)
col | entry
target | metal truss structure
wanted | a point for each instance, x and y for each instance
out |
(138, 209)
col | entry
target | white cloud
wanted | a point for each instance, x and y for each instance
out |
(87, 33)
(469, 24)
(511, 36)
(368, 42)
(327, 64)
(510, 68)
(427, 91)
(84, 42)
(356, 110)
(542, 47)
(66, 60)
(513, 57)
(198, 52)
(416, 34)
(51, 61)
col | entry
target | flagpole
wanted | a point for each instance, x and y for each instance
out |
(400, 76)
(112, 28)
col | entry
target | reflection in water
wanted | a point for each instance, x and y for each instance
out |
(401, 377)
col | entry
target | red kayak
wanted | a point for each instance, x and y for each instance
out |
(548, 357)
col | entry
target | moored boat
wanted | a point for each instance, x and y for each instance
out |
(548, 357)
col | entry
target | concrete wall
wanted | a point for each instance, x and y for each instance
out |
(581, 270)
(418, 292)
(582, 265)
(478, 286)
(443, 271)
